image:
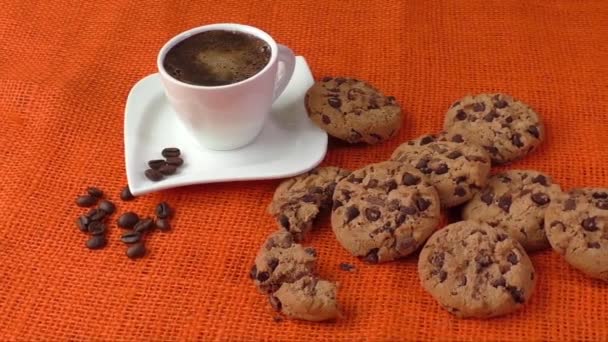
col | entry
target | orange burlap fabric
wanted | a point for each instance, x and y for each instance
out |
(65, 71)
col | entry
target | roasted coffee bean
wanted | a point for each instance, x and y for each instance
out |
(126, 194)
(167, 169)
(163, 210)
(130, 237)
(96, 214)
(163, 225)
(175, 161)
(82, 222)
(128, 220)
(86, 200)
(95, 192)
(96, 228)
(136, 250)
(144, 225)
(96, 242)
(171, 152)
(153, 175)
(107, 206)
(156, 163)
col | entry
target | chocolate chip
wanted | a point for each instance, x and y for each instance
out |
(262, 276)
(163, 210)
(487, 197)
(170, 152)
(441, 169)
(153, 175)
(326, 120)
(372, 183)
(516, 140)
(128, 220)
(454, 154)
(372, 256)
(372, 214)
(427, 140)
(540, 198)
(422, 204)
(175, 161)
(391, 185)
(437, 259)
(284, 221)
(156, 163)
(144, 225)
(275, 302)
(534, 131)
(400, 219)
(569, 204)
(334, 102)
(490, 116)
(353, 93)
(512, 258)
(461, 115)
(95, 192)
(107, 206)
(96, 228)
(504, 202)
(540, 179)
(457, 138)
(86, 200)
(499, 282)
(590, 224)
(340, 80)
(516, 294)
(167, 169)
(462, 280)
(326, 79)
(409, 179)
(136, 250)
(82, 222)
(460, 191)
(600, 195)
(130, 237)
(509, 119)
(501, 237)
(500, 104)
(336, 204)
(479, 107)
(461, 179)
(602, 205)
(273, 263)
(253, 272)
(483, 260)
(593, 245)
(96, 242)
(443, 275)
(410, 210)
(355, 180)
(376, 136)
(126, 194)
(163, 225)
(351, 213)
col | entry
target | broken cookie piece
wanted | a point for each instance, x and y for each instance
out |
(309, 298)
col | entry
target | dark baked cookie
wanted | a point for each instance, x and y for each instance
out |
(577, 228)
(515, 201)
(474, 270)
(455, 169)
(507, 128)
(384, 211)
(353, 110)
(298, 200)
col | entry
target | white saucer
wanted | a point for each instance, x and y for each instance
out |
(289, 143)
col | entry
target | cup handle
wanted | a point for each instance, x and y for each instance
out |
(287, 64)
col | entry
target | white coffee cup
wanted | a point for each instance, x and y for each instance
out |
(229, 116)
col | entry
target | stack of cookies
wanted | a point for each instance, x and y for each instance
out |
(478, 267)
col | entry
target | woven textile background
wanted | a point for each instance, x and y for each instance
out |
(66, 68)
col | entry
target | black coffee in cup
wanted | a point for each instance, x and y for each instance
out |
(214, 58)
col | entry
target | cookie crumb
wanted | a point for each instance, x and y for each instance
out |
(277, 319)
(344, 266)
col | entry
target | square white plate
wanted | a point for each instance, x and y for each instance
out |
(289, 143)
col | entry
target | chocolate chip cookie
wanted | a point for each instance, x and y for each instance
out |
(384, 211)
(298, 200)
(455, 169)
(515, 201)
(308, 298)
(507, 128)
(577, 227)
(474, 270)
(353, 110)
(281, 260)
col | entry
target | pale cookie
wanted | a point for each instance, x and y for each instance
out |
(577, 227)
(353, 110)
(384, 211)
(281, 260)
(507, 128)
(515, 201)
(455, 169)
(299, 200)
(308, 298)
(474, 270)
